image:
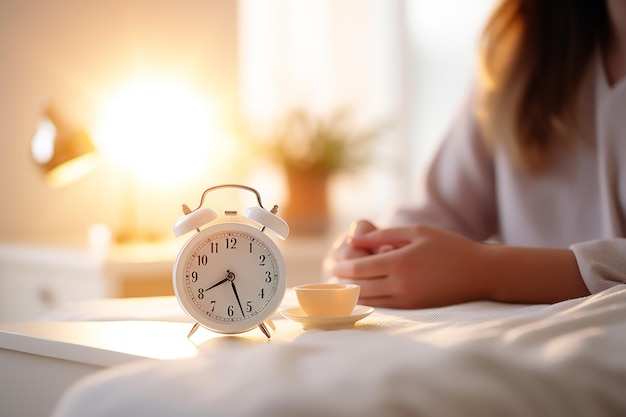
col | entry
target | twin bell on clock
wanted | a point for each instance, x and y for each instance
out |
(230, 277)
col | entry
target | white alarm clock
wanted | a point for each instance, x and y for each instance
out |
(230, 277)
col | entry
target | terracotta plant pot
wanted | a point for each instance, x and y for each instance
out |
(307, 210)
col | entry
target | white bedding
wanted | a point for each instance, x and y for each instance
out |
(475, 359)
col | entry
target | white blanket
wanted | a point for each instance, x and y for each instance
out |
(475, 359)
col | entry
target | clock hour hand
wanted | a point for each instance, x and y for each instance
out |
(217, 283)
(232, 283)
(229, 277)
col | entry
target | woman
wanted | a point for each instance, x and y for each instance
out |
(533, 161)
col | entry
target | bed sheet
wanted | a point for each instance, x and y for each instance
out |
(474, 359)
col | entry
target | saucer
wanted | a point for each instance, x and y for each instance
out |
(327, 322)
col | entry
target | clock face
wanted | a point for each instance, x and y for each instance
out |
(230, 277)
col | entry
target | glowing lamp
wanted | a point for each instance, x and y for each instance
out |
(64, 154)
(160, 130)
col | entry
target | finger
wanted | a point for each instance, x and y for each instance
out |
(375, 239)
(374, 266)
(360, 227)
(344, 250)
(385, 248)
(373, 288)
(378, 293)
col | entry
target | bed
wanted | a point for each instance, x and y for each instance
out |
(474, 359)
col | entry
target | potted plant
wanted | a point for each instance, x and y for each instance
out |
(311, 149)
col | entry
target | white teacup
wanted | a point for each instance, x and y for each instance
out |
(327, 299)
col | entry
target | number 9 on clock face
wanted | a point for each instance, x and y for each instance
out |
(230, 277)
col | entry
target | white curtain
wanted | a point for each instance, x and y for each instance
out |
(442, 41)
(326, 55)
(407, 62)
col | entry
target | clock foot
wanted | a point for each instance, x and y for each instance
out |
(271, 324)
(193, 329)
(264, 330)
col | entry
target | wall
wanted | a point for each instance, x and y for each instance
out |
(74, 51)
(409, 62)
(442, 50)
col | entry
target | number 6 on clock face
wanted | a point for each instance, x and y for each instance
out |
(230, 277)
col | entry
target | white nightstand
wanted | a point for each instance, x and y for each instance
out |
(36, 279)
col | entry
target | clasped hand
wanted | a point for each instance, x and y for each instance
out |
(414, 266)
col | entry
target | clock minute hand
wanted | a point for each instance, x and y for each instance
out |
(237, 297)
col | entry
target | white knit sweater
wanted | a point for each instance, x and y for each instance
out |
(580, 203)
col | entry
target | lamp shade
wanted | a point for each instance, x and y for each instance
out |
(64, 154)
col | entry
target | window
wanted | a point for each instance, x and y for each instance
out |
(405, 62)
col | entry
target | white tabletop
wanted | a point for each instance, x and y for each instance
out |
(109, 343)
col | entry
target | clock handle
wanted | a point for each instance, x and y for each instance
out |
(243, 187)
(193, 219)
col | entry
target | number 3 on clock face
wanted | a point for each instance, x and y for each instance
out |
(230, 277)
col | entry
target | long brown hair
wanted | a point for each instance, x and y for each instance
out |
(534, 54)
